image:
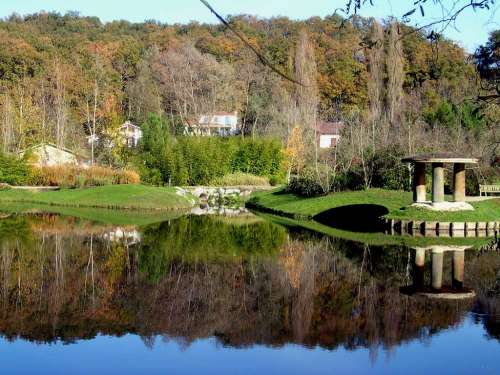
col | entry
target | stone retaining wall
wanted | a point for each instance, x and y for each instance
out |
(35, 189)
(443, 228)
(209, 192)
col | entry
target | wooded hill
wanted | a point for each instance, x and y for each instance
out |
(63, 77)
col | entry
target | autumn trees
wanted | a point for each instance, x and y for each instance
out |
(415, 102)
(37, 108)
(487, 58)
(193, 83)
(144, 97)
(70, 80)
(67, 79)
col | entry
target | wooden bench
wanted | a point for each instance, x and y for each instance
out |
(491, 189)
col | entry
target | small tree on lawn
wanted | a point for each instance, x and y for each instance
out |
(295, 152)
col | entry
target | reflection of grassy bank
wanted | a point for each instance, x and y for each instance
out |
(14, 228)
(205, 239)
(102, 215)
(134, 197)
(243, 219)
(376, 239)
(280, 203)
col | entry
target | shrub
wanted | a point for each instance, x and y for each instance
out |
(13, 171)
(306, 184)
(388, 170)
(274, 180)
(348, 180)
(240, 179)
(72, 176)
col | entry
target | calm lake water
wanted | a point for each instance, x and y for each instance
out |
(220, 295)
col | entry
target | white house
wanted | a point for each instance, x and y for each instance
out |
(128, 133)
(219, 123)
(49, 155)
(328, 134)
(131, 133)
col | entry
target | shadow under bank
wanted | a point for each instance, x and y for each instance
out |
(378, 238)
(291, 288)
(366, 218)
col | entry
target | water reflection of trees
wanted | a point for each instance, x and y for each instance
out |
(200, 277)
(484, 274)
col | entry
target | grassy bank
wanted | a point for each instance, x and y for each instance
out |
(130, 197)
(395, 202)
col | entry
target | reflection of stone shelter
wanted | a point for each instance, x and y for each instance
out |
(437, 161)
(437, 290)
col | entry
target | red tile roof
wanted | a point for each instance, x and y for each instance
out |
(225, 114)
(332, 128)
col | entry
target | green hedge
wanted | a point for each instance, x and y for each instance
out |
(13, 171)
(184, 160)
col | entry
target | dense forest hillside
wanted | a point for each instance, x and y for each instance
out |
(64, 77)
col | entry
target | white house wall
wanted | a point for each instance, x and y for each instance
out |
(51, 156)
(325, 141)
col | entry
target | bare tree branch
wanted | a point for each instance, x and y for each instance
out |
(259, 55)
(417, 7)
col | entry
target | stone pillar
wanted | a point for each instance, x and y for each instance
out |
(419, 270)
(419, 193)
(459, 182)
(458, 269)
(420, 256)
(437, 269)
(437, 183)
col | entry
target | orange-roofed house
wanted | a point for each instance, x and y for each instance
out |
(328, 134)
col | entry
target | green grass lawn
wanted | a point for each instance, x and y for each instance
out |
(396, 202)
(130, 197)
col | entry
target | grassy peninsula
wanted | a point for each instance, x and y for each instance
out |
(396, 203)
(123, 197)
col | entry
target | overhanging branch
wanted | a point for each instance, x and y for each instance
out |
(257, 53)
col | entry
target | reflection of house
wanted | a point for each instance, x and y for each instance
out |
(220, 123)
(328, 134)
(128, 134)
(47, 154)
(128, 237)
